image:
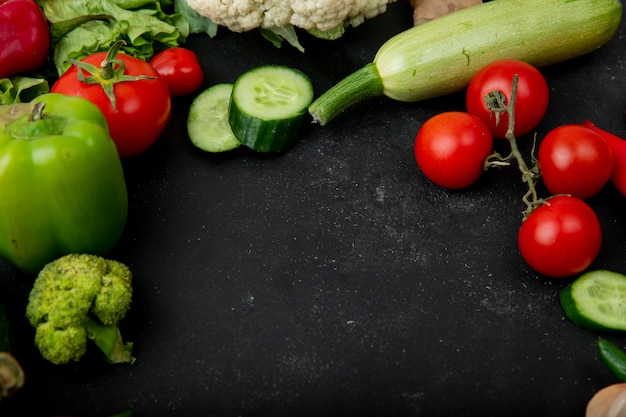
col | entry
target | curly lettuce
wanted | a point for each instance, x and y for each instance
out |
(143, 25)
(21, 89)
(197, 23)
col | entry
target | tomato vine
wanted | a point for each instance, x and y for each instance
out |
(496, 102)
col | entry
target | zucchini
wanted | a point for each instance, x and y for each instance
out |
(267, 106)
(11, 372)
(596, 301)
(441, 56)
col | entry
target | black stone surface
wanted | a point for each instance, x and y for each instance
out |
(334, 279)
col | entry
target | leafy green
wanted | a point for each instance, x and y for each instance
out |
(332, 34)
(19, 89)
(197, 23)
(142, 24)
(277, 35)
(139, 4)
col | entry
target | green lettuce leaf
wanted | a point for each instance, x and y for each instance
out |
(331, 34)
(197, 23)
(144, 26)
(277, 35)
(19, 89)
(140, 4)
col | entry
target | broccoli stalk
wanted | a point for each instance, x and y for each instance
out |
(76, 298)
(109, 340)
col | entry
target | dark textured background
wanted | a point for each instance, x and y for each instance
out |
(335, 279)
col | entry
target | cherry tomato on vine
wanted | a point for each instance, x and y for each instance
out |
(531, 98)
(575, 160)
(450, 148)
(560, 238)
(134, 99)
(180, 69)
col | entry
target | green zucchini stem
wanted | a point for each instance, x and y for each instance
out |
(359, 85)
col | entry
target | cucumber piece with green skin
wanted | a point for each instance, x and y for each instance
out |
(596, 301)
(267, 106)
(207, 121)
(613, 357)
(441, 56)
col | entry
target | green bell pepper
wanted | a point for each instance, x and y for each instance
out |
(62, 186)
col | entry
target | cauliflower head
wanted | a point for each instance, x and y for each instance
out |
(70, 291)
(321, 15)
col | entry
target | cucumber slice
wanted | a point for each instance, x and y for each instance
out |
(207, 122)
(267, 106)
(596, 301)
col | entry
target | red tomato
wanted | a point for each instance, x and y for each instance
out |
(180, 69)
(575, 160)
(450, 148)
(143, 106)
(531, 99)
(561, 237)
(618, 145)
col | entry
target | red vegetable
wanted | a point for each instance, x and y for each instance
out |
(561, 237)
(575, 160)
(618, 176)
(450, 148)
(531, 100)
(24, 37)
(130, 93)
(180, 69)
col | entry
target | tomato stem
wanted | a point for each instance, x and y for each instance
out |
(111, 71)
(496, 103)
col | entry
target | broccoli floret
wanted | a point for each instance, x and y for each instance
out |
(76, 298)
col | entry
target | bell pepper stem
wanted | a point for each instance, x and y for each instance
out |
(37, 113)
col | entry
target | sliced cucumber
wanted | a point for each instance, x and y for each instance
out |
(596, 301)
(207, 122)
(267, 106)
